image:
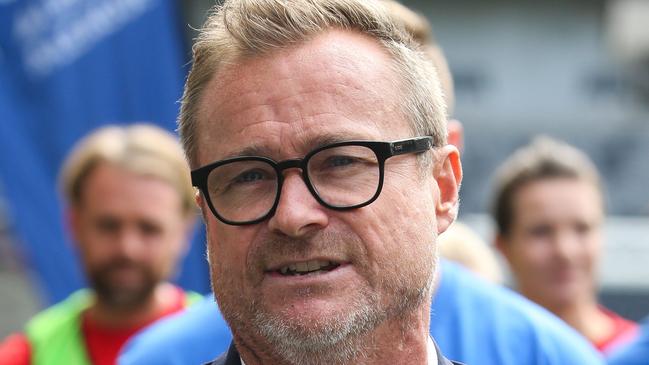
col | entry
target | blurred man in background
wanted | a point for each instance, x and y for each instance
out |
(474, 321)
(130, 210)
(549, 211)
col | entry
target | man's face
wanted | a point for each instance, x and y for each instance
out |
(555, 240)
(130, 232)
(335, 87)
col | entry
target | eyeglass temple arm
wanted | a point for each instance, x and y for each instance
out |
(410, 145)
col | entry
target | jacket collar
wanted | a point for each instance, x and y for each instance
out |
(232, 356)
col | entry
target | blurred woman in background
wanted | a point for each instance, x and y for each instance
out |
(549, 212)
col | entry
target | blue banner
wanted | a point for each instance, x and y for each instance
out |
(66, 68)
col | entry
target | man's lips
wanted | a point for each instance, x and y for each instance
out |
(305, 267)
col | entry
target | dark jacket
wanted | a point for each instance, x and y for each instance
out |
(232, 358)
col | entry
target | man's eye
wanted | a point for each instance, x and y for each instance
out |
(339, 161)
(249, 176)
(540, 231)
(150, 228)
(107, 225)
(583, 228)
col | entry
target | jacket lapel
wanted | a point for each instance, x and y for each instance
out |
(232, 357)
(229, 358)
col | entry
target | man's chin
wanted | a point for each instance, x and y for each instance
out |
(314, 308)
(123, 287)
(125, 298)
(319, 314)
(317, 332)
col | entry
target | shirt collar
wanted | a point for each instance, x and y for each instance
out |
(432, 352)
(430, 349)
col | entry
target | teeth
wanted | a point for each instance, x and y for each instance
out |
(304, 267)
(324, 263)
(313, 265)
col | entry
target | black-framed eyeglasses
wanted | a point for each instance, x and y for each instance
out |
(345, 175)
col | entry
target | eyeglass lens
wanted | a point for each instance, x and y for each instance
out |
(342, 176)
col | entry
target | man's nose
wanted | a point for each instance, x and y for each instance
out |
(566, 244)
(129, 243)
(298, 213)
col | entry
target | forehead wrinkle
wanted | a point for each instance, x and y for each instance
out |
(294, 69)
(302, 144)
(272, 105)
(289, 113)
(316, 76)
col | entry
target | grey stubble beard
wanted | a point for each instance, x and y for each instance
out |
(329, 341)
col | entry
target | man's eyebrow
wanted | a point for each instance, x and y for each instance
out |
(251, 150)
(328, 139)
(311, 144)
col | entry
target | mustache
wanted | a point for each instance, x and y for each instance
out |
(115, 294)
(117, 264)
(335, 244)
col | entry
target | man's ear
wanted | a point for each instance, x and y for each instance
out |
(455, 132)
(447, 172)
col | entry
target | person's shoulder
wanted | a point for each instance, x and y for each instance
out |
(459, 288)
(49, 322)
(75, 302)
(471, 313)
(497, 303)
(193, 336)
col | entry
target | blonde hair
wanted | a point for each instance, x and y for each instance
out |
(543, 158)
(141, 148)
(421, 32)
(415, 24)
(249, 28)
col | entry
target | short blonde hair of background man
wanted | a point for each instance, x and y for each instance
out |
(142, 149)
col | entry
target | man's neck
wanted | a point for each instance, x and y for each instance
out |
(110, 316)
(430, 348)
(403, 340)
